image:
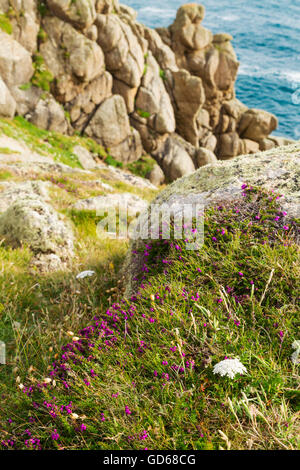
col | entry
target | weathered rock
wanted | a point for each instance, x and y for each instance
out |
(128, 93)
(15, 61)
(189, 96)
(226, 72)
(249, 146)
(234, 108)
(204, 157)
(110, 127)
(26, 99)
(13, 192)
(165, 35)
(129, 178)
(187, 29)
(277, 169)
(73, 59)
(81, 13)
(33, 222)
(220, 38)
(229, 145)
(162, 53)
(203, 119)
(280, 141)
(177, 79)
(128, 12)
(266, 144)
(7, 102)
(153, 102)
(257, 124)
(47, 262)
(209, 141)
(156, 176)
(49, 115)
(23, 17)
(87, 100)
(124, 57)
(131, 202)
(107, 6)
(174, 159)
(85, 158)
(91, 32)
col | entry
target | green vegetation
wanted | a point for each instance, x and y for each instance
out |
(42, 35)
(113, 162)
(5, 23)
(162, 74)
(140, 374)
(49, 143)
(145, 69)
(25, 86)
(5, 175)
(7, 151)
(142, 167)
(144, 114)
(42, 77)
(42, 8)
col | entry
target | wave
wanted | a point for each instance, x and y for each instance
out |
(157, 12)
(291, 76)
(230, 18)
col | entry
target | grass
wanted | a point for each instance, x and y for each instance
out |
(8, 151)
(5, 175)
(5, 23)
(42, 77)
(57, 145)
(144, 114)
(140, 374)
(142, 167)
(61, 147)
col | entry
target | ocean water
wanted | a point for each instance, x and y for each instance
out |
(267, 41)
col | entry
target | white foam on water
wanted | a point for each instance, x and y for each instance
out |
(230, 18)
(291, 76)
(154, 12)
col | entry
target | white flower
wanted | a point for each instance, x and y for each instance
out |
(84, 274)
(230, 367)
(295, 356)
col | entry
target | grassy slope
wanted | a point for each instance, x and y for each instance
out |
(140, 375)
(37, 310)
(60, 147)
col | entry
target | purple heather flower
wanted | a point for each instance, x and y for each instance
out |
(55, 435)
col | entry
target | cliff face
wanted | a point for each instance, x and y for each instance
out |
(89, 66)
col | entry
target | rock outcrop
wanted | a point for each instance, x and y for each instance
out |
(130, 202)
(276, 170)
(89, 66)
(33, 222)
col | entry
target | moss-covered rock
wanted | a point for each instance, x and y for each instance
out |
(32, 222)
(275, 170)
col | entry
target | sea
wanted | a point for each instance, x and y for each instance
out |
(267, 42)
